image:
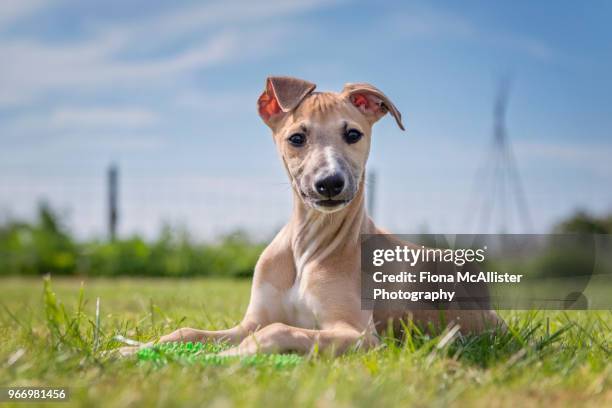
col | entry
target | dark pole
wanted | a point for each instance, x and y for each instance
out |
(113, 197)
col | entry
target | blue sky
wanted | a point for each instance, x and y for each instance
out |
(167, 90)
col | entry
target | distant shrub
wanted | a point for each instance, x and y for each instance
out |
(46, 246)
(42, 247)
(563, 264)
(582, 222)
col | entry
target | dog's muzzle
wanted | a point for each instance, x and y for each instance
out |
(331, 193)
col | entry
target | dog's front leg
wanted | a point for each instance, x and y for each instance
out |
(186, 334)
(233, 336)
(279, 338)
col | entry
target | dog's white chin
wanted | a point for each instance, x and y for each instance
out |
(329, 210)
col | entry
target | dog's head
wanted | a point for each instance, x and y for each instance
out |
(323, 138)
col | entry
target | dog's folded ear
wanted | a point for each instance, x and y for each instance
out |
(371, 102)
(282, 95)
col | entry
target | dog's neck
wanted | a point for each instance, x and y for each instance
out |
(316, 235)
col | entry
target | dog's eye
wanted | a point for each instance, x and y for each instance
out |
(352, 136)
(297, 139)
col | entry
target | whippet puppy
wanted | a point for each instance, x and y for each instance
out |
(306, 285)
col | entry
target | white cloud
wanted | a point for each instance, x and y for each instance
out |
(425, 21)
(215, 102)
(428, 22)
(101, 117)
(120, 142)
(212, 15)
(530, 46)
(75, 118)
(12, 11)
(31, 69)
(580, 156)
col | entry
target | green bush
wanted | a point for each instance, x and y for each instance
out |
(565, 264)
(46, 246)
(582, 222)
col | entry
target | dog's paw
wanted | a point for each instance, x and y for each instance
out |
(232, 352)
(127, 351)
(242, 350)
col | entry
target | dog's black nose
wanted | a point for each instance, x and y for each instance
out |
(330, 186)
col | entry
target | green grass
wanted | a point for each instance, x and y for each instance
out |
(55, 338)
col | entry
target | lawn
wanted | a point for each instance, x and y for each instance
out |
(547, 358)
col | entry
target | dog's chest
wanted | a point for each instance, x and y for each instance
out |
(301, 307)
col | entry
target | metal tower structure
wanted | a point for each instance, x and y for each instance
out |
(498, 197)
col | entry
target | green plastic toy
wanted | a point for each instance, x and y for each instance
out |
(207, 354)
